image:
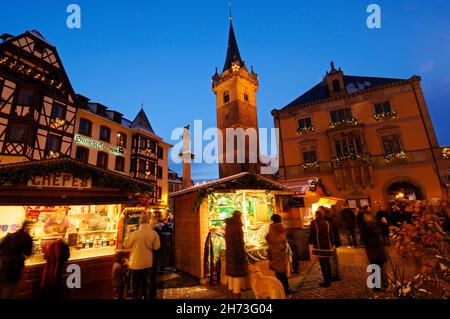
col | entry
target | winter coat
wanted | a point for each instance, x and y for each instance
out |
(143, 242)
(236, 260)
(373, 239)
(348, 218)
(276, 238)
(321, 237)
(56, 254)
(13, 250)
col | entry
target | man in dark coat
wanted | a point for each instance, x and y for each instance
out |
(348, 218)
(375, 245)
(322, 239)
(276, 239)
(14, 248)
(384, 219)
(235, 257)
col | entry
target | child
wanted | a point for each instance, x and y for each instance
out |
(118, 275)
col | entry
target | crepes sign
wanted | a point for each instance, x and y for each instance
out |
(63, 180)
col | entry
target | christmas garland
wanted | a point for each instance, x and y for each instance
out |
(385, 115)
(305, 130)
(250, 181)
(317, 184)
(446, 153)
(343, 124)
(22, 173)
(390, 157)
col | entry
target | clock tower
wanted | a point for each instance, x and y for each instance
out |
(235, 89)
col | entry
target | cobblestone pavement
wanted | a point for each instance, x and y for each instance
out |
(352, 263)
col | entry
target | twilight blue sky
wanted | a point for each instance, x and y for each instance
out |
(164, 51)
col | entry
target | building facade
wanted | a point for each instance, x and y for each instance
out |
(235, 89)
(369, 140)
(42, 118)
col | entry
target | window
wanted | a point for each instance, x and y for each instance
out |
(38, 48)
(18, 133)
(102, 160)
(309, 157)
(105, 133)
(82, 154)
(158, 192)
(142, 166)
(305, 123)
(159, 173)
(58, 111)
(142, 143)
(85, 127)
(344, 114)
(160, 152)
(53, 143)
(246, 97)
(120, 163)
(152, 146)
(122, 139)
(26, 97)
(383, 107)
(336, 86)
(349, 146)
(226, 97)
(391, 144)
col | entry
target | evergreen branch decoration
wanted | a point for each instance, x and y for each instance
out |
(250, 181)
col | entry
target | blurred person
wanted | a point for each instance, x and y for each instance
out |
(14, 249)
(348, 218)
(384, 219)
(332, 219)
(322, 239)
(143, 243)
(119, 274)
(276, 239)
(236, 261)
(375, 245)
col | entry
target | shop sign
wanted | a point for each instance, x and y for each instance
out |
(88, 142)
(116, 150)
(59, 181)
(97, 144)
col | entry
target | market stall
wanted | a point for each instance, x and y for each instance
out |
(200, 214)
(79, 203)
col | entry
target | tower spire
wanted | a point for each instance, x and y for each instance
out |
(233, 54)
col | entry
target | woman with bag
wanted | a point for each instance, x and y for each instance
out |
(322, 239)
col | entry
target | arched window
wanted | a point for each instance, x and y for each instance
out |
(336, 86)
(226, 97)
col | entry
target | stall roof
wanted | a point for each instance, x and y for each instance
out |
(299, 186)
(243, 180)
(19, 173)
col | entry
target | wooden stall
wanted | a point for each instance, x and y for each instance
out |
(200, 214)
(80, 203)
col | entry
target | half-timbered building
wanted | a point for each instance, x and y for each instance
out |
(37, 102)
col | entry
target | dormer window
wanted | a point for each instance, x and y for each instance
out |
(226, 97)
(336, 86)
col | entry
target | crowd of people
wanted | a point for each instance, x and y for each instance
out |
(364, 228)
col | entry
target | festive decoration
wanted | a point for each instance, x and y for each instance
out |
(385, 115)
(390, 157)
(305, 130)
(20, 174)
(446, 153)
(318, 187)
(315, 164)
(57, 123)
(31, 73)
(358, 156)
(249, 181)
(344, 123)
